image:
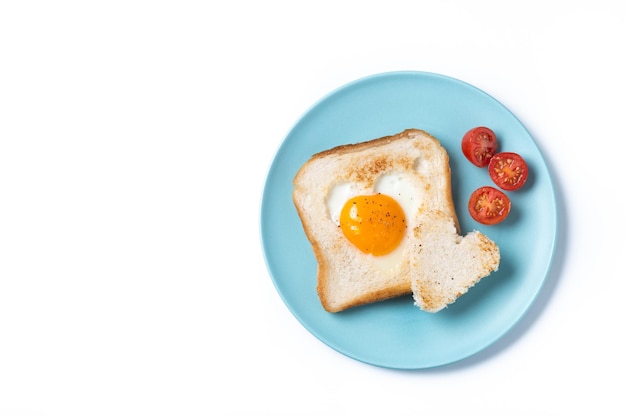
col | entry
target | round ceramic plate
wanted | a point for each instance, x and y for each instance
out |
(395, 333)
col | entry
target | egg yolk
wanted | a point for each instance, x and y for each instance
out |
(373, 223)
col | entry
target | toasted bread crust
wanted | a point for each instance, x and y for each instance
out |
(367, 298)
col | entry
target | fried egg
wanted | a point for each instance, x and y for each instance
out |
(377, 219)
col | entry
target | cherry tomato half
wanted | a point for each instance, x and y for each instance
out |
(488, 205)
(479, 145)
(508, 170)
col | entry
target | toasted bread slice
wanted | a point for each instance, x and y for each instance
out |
(347, 277)
(444, 265)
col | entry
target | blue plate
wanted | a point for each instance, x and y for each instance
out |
(395, 333)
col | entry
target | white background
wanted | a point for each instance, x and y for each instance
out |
(135, 137)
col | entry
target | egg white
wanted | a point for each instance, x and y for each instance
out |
(394, 184)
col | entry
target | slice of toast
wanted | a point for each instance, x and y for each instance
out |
(346, 277)
(412, 167)
(444, 265)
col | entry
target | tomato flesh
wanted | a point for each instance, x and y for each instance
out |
(479, 145)
(508, 170)
(488, 205)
